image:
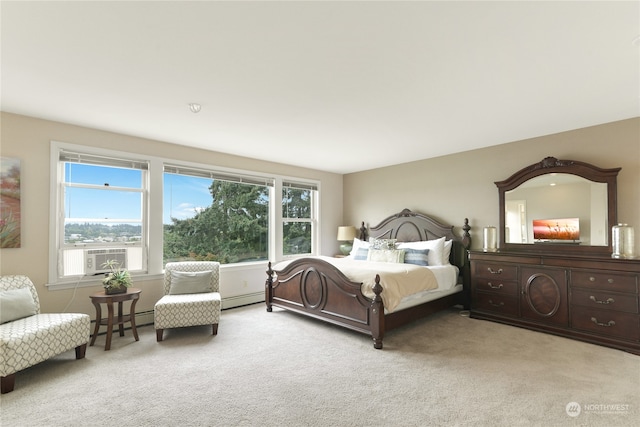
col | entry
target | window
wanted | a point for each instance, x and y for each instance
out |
(214, 216)
(103, 201)
(298, 217)
(144, 211)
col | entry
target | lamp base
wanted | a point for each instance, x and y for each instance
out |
(345, 248)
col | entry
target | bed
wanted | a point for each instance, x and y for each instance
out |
(318, 287)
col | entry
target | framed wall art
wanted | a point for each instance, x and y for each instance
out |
(9, 202)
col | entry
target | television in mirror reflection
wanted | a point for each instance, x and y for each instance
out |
(556, 230)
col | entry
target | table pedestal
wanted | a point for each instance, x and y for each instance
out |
(132, 294)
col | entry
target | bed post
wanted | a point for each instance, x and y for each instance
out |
(377, 315)
(466, 268)
(363, 232)
(466, 237)
(268, 288)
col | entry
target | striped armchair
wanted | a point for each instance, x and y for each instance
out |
(28, 337)
(191, 296)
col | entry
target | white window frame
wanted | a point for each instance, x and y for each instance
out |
(154, 208)
(212, 172)
(315, 213)
(57, 245)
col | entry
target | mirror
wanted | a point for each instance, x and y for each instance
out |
(558, 206)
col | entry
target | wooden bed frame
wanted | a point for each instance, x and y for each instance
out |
(317, 289)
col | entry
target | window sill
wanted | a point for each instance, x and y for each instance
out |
(92, 282)
(96, 281)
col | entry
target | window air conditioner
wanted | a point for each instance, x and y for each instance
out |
(94, 259)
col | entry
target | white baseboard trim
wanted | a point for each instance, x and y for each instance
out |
(241, 300)
(144, 318)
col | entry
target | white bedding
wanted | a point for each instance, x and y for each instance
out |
(425, 296)
(403, 284)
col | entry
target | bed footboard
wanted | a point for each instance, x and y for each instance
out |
(317, 289)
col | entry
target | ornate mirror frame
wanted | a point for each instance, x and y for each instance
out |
(550, 165)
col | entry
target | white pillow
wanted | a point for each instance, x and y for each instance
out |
(386, 255)
(190, 282)
(436, 249)
(447, 252)
(16, 304)
(357, 243)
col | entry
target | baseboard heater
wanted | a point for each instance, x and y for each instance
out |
(145, 318)
(240, 300)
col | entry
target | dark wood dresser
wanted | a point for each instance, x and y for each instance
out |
(589, 298)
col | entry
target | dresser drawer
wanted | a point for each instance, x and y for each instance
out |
(496, 285)
(605, 300)
(610, 323)
(602, 280)
(503, 304)
(495, 271)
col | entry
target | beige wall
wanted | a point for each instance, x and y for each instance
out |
(28, 139)
(460, 186)
(450, 188)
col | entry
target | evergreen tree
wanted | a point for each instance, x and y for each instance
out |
(234, 228)
(296, 203)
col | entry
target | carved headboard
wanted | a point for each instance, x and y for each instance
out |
(408, 226)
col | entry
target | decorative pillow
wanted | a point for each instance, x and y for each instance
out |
(16, 304)
(190, 282)
(386, 255)
(382, 243)
(361, 254)
(357, 244)
(416, 256)
(436, 249)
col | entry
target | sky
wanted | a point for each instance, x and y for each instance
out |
(183, 195)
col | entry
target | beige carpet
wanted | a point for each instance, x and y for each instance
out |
(279, 369)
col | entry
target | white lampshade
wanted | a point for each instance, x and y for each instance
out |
(346, 233)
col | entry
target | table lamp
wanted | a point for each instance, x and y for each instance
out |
(346, 234)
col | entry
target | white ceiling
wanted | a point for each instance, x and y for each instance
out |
(335, 86)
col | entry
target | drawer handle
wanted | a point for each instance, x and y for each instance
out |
(492, 271)
(492, 286)
(608, 301)
(500, 304)
(606, 325)
(593, 279)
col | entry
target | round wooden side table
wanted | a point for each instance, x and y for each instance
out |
(132, 294)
